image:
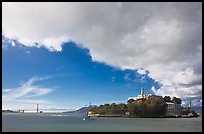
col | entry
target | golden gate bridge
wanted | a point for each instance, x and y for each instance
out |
(37, 109)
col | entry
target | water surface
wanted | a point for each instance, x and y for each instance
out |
(25, 122)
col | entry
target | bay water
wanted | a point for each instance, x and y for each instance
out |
(59, 122)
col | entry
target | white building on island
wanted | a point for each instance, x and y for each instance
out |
(173, 109)
(141, 95)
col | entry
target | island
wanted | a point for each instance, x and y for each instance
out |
(144, 106)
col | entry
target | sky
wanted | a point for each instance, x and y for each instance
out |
(66, 55)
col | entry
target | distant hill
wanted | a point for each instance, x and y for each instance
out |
(81, 110)
(8, 111)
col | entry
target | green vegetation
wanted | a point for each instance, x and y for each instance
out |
(108, 109)
(176, 100)
(173, 100)
(154, 106)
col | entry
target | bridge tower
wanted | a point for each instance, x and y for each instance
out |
(37, 108)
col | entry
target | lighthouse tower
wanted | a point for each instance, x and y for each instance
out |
(142, 92)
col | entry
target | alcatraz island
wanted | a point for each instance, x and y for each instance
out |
(144, 105)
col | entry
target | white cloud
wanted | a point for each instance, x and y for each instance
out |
(26, 90)
(13, 43)
(187, 93)
(163, 38)
(188, 77)
(54, 44)
(142, 71)
(19, 97)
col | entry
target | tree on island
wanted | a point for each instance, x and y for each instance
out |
(130, 101)
(131, 108)
(176, 100)
(167, 99)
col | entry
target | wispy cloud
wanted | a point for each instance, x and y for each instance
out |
(24, 97)
(26, 90)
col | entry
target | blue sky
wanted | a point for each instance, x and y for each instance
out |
(71, 54)
(74, 78)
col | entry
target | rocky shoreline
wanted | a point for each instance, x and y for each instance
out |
(128, 116)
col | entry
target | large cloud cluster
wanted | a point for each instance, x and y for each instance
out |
(163, 38)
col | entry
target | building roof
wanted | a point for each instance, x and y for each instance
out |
(170, 103)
